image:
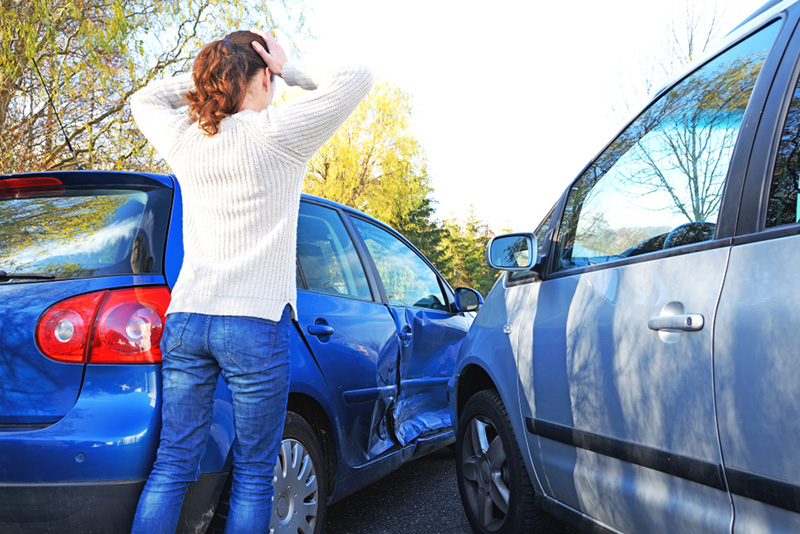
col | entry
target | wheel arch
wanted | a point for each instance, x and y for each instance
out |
(315, 415)
(472, 379)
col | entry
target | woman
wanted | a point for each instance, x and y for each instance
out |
(240, 164)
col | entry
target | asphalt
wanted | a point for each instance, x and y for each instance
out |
(421, 496)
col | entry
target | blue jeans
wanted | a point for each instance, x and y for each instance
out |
(254, 355)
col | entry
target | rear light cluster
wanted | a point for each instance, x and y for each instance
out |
(112, 326)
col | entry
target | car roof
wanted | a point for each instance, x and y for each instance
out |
(342, 207)
(84, 177)
(116, 178)
(770, 7)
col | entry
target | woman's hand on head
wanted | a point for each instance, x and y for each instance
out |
(275, 57)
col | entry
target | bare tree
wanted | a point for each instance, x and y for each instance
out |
(691, 31)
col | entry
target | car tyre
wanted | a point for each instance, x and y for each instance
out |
(301, 491)
(495, 488)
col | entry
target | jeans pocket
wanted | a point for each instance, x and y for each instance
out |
(173, 331)
(249, 342)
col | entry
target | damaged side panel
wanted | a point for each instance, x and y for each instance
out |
(358, 361)
(428, 345)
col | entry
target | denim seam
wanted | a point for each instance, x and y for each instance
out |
(206, 334)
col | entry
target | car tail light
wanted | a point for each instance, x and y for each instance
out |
(129, 326)
(64, 329)
(116, 326)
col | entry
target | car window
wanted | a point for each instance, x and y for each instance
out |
(327, 261)
(407, 279)
(783, 206)
(82, 232)
(541, 234)
(659, 185)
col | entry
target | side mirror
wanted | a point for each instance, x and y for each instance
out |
(467, 299)
(512, 252)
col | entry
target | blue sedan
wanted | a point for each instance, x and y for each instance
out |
(86, 263)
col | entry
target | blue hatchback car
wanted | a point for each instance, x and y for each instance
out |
(87, 261)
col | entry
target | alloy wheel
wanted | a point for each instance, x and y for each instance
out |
(485, 473)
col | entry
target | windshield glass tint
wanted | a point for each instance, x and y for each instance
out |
(81, 233)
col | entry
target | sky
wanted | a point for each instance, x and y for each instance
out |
(510, 98)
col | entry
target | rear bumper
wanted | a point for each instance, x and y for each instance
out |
(88, 508)
(85, 472)
(105, 507)
(111, 433)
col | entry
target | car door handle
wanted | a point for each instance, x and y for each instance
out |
(320, 330)
(405, 336)
(687, 322)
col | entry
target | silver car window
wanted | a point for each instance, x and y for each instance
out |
(659, 185)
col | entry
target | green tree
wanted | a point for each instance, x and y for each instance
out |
(375, 164)
(92, 55)
(420, 227)
(462, 252)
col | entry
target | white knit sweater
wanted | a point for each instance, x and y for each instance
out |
(241, 187)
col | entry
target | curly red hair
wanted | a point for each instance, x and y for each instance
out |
(221, 73)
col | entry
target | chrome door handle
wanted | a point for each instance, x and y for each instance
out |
(405, 336)
(687, 322)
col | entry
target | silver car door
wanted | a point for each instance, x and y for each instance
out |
(757, 334)
(618, 382)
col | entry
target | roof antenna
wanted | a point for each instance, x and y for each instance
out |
(55, 111)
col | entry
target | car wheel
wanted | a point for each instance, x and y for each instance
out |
(301, 492)
(495, 488)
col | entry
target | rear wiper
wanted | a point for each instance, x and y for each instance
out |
(5, 277)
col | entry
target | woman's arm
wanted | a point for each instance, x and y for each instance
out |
(159, 111)
(309, 121)
(302, 126)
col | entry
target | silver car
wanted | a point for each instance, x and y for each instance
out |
(637, 366)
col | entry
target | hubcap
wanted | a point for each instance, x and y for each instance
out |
(282, 507)
(485, 474)
(296, 490)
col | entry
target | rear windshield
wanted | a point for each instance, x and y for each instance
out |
(80, 232)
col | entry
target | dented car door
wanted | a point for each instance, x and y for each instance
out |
(428, 332)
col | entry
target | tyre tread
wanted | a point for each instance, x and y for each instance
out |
(532, 517)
